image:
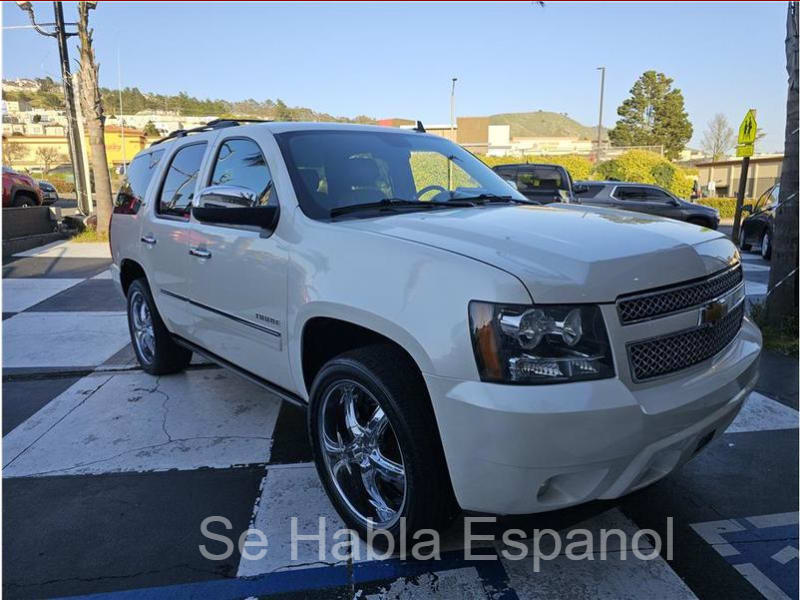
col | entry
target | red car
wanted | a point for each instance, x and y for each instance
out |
(19, 190)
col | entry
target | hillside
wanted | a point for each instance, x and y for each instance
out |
(46, 93)
(542, 123)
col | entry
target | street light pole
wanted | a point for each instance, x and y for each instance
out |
(452, 131)
(453, 110)
(73, 135)
(600, 119)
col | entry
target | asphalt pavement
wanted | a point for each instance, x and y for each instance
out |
(108, 474)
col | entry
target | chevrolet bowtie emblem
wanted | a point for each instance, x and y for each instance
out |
(715, 310)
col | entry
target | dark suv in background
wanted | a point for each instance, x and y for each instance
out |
(644, 198)
(757, 228)
(539, 182)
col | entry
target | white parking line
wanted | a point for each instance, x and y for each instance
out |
(760, 413)
(63, 339)
(22, 293)
(135, 422)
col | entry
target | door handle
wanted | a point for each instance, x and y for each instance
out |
(199, 252)
(148, 239)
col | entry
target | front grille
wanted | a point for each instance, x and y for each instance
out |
(652, 304)
(676, 351)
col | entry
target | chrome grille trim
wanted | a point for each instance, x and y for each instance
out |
(666, 354)
(663, 302)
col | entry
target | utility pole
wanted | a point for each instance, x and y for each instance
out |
(73, 135)
(600, 120)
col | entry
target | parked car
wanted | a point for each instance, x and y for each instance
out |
(757, 227)
(19, 189)
(542, 183)
(49, 192)
(645, 198)
(453, 343)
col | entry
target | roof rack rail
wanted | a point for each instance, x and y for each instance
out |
(210, 126)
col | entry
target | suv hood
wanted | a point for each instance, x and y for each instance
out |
(570, 253)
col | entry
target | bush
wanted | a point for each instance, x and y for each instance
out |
(725, 206)
(641, 166)
(579, 167)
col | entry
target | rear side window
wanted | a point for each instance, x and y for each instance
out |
(591, 191)
(180, 182)
(137, 179)
(240, 162)
(541, 179)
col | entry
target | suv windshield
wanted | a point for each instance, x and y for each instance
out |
(335, 169)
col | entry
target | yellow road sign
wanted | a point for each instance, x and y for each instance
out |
(747, 130)
(744, 150)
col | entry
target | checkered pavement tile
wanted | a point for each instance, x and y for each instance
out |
(109, 473)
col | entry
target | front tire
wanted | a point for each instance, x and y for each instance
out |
(376, 445)
(157, 352)
(766, 245)
(744, 247)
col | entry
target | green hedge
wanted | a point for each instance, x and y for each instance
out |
(641, 166)
(725, 206)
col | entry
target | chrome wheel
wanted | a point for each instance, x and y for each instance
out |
(361, 454)
(142, 326)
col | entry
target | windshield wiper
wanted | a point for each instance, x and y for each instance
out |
(487, 198)
(394, 204)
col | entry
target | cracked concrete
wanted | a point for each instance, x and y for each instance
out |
(134, 422)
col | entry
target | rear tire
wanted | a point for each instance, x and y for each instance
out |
(766, 245)
(157, 352)
(414, 482)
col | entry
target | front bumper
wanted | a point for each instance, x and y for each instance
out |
(526, 449)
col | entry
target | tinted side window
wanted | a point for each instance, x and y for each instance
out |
(137, 179)
(178, 188)
(591, 191)
(541, 179)
(655, 195)
(631, 193)
(240, 163)
(507, 174)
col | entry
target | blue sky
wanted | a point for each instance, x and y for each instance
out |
(392, 59)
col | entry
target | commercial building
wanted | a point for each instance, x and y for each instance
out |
(764, 172)
(30, 158)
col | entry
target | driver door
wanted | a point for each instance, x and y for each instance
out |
(239, 272)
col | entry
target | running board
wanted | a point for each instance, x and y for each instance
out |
(283, 394)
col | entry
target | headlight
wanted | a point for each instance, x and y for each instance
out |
(539, 344)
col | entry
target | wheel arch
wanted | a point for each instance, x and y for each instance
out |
(342, 333)
(129, 271)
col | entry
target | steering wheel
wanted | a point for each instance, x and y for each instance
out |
(429, 188)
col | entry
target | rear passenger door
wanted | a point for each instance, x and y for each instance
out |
(165, 236)
(651, 201)
(239, 272)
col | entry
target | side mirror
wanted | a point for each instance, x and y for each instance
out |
(580, 188)
(234, 205)
(747, 208)
(512, 183)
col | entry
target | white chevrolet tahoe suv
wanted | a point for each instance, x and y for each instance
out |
(455, 344)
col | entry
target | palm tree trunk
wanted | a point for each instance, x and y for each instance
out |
(93, 117)
(782, 301)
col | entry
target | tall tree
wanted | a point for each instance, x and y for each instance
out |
(92, 105)
(654, 115)
(782, 301)
(718, 137)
